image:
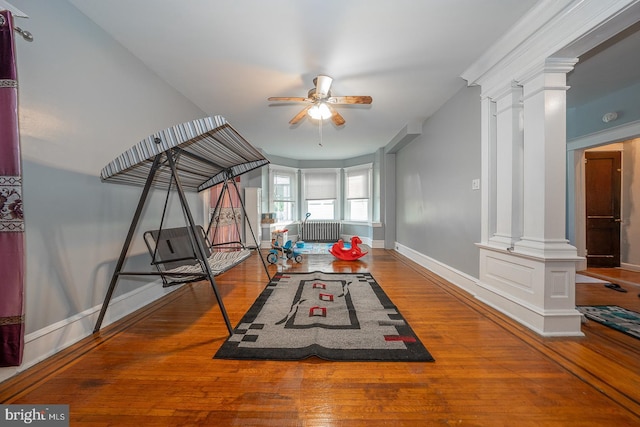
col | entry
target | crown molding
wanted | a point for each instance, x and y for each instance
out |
(551, 28)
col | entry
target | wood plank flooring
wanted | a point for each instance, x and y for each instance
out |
(155, 368)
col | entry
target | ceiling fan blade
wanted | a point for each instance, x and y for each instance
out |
(350, 100)
(288, 98)
(337, 117)
(300, 115)
(323, 84)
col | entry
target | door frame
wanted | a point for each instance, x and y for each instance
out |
(613, 225)
(580, 215)
(576, 205)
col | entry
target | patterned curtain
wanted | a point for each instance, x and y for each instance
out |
(11, 218)
(224, 227)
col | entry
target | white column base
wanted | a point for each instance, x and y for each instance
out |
(538, 292)
(554, 249)
(501, 241)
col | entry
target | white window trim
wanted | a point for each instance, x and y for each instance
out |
(295, 193)
(338, 200)
(369, 168)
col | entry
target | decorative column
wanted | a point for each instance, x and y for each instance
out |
(509, 140)
(488, 173)
(544, 168)
(527, 268)
(533, 280)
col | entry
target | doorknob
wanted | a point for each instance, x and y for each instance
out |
(617, 220)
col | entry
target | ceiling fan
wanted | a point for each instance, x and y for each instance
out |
(321, 102)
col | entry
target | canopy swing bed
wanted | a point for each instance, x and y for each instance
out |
(192, 156)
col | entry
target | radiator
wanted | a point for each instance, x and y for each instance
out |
(321, 231)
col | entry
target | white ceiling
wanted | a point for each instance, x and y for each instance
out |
(227, 57)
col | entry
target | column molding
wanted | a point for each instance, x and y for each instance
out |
(509, 147)
(544, 201)
(488, 174)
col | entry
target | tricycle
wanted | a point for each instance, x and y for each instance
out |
(284, 252)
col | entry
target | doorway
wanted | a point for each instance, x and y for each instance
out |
(602, 201)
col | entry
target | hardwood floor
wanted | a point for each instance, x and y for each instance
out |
(155, 367)
(620, 276)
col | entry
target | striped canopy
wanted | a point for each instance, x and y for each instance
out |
(207, 151)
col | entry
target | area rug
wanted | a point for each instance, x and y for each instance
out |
(314, 248)
(615, 317)
(334, 316)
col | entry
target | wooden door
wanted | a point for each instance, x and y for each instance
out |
(602, 185)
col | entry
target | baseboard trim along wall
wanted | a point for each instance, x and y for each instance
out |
(46, 342)
(516, 308)
(458, 278)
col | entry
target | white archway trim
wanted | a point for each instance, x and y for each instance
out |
(527, 267)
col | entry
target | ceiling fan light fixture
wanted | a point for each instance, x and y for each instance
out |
(319, 111)
(320, 102)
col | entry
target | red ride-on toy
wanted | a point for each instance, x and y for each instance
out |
(352, 253)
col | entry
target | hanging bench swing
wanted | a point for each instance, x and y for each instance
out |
(173, 253)
(192, 156)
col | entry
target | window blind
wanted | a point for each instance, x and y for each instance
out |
(320, 185)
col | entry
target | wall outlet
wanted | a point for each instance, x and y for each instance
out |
(475, 184)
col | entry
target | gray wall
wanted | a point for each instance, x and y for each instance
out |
(83, 100)
(438, 214)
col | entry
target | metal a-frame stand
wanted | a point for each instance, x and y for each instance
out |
(158, 162)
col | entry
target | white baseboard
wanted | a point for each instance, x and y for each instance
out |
(492, 297)
(46, 342)
(456, 277)
(632, 267)
(377, 244)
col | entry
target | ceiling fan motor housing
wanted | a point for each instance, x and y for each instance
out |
(323, 84)
(312, 95)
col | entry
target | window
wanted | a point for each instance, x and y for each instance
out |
(358, 193)
(283, 193)
(321, 193)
